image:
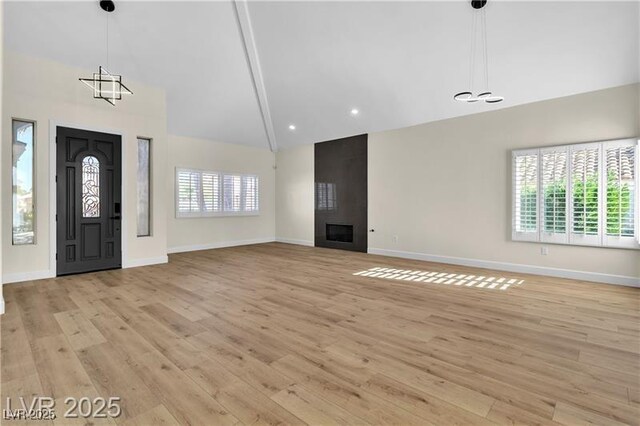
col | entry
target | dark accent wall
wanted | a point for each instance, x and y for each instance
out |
(341, 194)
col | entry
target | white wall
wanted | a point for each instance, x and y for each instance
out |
(49, 92)
(1, 133)
(444, 189)
(294, 195)
(185, 234)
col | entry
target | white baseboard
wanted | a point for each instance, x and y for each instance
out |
(221, 244)
(1, 305)
(514, 267)
(297, 242)
(134, 263)
(27, 276)
(40, 275)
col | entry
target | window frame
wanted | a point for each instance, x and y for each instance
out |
(570, 238)
(34, 178)
(222, 213)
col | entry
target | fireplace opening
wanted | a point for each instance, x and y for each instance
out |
(340, 233)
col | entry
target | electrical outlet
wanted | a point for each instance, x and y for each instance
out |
(395, 238)
(544, 250)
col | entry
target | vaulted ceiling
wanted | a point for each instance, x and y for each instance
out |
(310, 63)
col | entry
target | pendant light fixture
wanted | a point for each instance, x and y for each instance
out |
(105, 85)
(479, 14)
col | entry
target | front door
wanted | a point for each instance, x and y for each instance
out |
(88, 168)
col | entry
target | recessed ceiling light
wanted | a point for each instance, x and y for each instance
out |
(355, 111)
(292, 126)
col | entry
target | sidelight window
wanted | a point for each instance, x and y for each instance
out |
(23, 200)
(90, 187)
(144, 187)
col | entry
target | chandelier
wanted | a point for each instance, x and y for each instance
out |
(485, 95)
(105, 85)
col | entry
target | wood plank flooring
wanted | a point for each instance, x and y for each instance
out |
(283, 334)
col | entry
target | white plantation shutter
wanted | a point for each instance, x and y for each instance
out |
(525, 195)
(553, 195)
(232, 193)
(211, 201)
(187, 192)
(585, 194)
(621, 182)
(201, 193)
(250, 193)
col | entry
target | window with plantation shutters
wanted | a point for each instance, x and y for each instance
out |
(525, 195)
(203, 193)
(584, 194)
(232, 193)
(188, 193)
(250, 191)
(211, 201)
(554, 195)
(621, 194)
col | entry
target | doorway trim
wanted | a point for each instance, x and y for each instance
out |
(53, 194)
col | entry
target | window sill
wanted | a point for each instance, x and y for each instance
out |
(631, 244)
(215, 215)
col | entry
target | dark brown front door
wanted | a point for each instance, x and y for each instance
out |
(89, 201)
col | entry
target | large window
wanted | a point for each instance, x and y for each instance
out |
(23, 215)
(577, 194)
(144, 187)
(203, 193)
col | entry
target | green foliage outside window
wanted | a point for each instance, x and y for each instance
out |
(585, 207)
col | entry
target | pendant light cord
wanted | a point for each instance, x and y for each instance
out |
(473, 50)
(486, 54)
(481, 16)
(107, 41)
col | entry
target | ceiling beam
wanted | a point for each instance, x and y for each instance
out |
(253, 61)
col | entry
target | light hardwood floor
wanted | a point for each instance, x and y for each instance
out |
(284, 334)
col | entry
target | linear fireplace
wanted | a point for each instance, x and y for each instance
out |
(340, 233)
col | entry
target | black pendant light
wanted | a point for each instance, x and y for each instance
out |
(105, 85)
(479, 14)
